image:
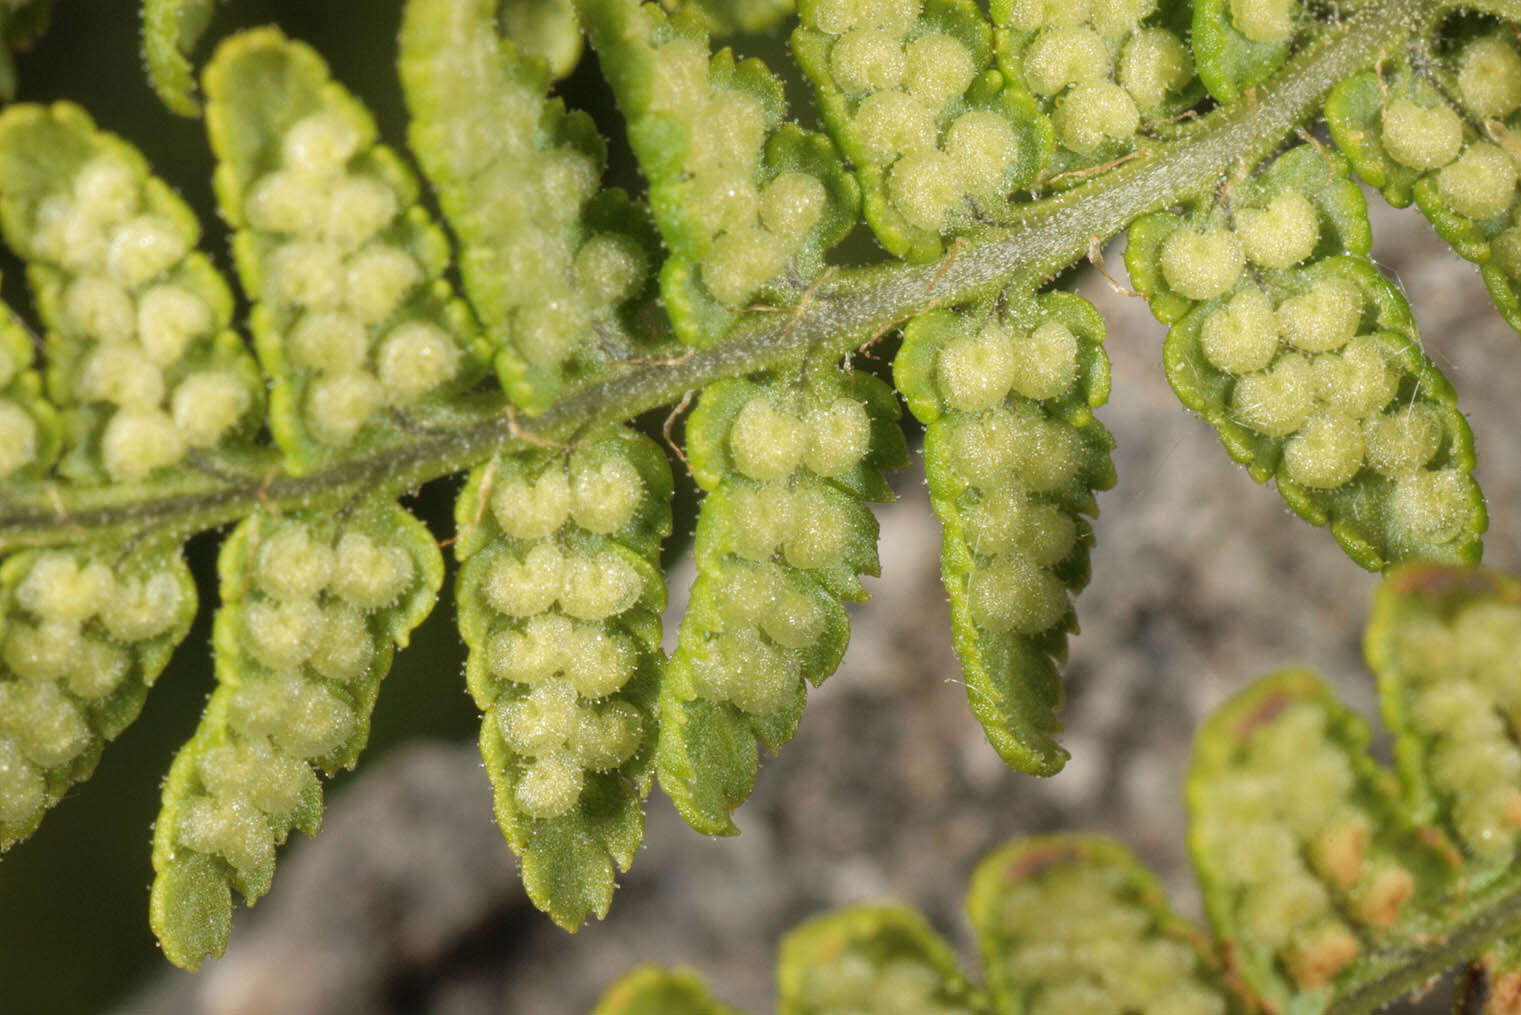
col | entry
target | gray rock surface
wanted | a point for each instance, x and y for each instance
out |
(407, 901)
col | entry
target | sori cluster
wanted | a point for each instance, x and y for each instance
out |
(950, 132)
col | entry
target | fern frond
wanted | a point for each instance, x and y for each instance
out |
(746, 201)
(1303, 857)
(909, 92)
(1109, 76)
(1444, 647)
(1068, 923)
(555, 269)
(140, 357)
(1331, 884)
(781, 539)
(560, 596)
(351, 315)
(1005, 144)
(1065, 924)
(1378, 861)
(1012, 455)
(652, 990)
(312, 607)
(872, 959)
(1442, 129)
(1289, 341)
(171, 28)
(85, 633)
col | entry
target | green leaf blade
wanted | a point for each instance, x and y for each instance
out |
(746, 202)
(872, 959)
(782, 536)
(1012, 456)
(559, 597)
(1071, 922)
(313, 607)
(352, 320)
(1309, 868)
(142, 364)
(1301, 354)
(85, 633)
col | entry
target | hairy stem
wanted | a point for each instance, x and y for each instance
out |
(843, 310)
(1394, 974)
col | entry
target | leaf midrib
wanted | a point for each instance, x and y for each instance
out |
(843, 310)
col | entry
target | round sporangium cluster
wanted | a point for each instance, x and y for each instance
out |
(904, 82)
(1015, 459)
(1094, 67)
(828, 437)
(1283, 831)
(557, 649)
(1075, 934)
(332, 268)
(1458, 679)
(308, 635)
(1265, 21)
(133, 300)
(71, 640)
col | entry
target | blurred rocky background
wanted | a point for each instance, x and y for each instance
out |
(409, 902)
